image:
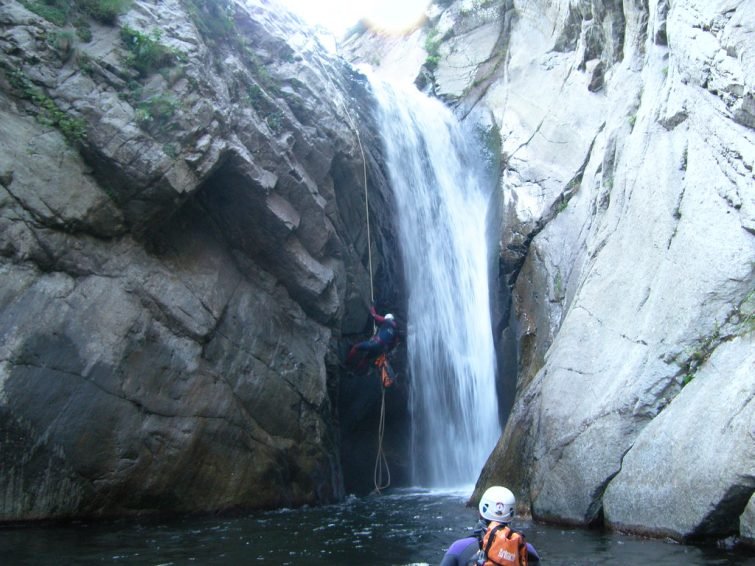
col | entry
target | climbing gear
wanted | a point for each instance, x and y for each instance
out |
(389, 316)
(387, 378)
(385, 371)
(502, 547)
(497, 504)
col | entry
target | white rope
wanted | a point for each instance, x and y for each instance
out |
(366, 203)
(381, 462)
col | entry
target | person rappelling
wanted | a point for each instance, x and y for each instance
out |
(376, 349)
(383, 341)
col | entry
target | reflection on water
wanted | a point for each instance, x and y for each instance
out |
(402, 527)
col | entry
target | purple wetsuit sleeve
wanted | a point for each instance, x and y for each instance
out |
(460, 552)
(532, 554)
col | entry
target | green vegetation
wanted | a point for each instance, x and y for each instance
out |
(213, 18)
(62, 12)
(263, 75)
(85, 63)
(216, 22)
(432, 47)
(156, 110)
(558, 286)
(274, 121)
(62, 41)
(746, 314)
(146, 53)
(47, 112)
(687, 378)
(55, 11)
(105, 11)
(83, 29)
(740, 322)
(171, 149)
(254, 94)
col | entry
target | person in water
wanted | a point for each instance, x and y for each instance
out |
(383, 341)
(497, 506)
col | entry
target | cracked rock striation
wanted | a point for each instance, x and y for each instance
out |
(182, 237)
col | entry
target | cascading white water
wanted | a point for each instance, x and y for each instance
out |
(442, 207)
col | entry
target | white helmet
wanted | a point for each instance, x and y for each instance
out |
(497, 504)
(388, 316)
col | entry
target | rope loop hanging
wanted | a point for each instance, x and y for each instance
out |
(381, 462)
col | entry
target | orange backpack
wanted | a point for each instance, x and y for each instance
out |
(503, 547)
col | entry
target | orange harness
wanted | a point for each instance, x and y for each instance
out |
(387, 375)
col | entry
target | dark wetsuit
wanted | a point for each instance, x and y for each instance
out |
(464, 551)
(461, 552)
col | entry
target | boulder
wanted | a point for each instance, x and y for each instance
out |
(664, 484)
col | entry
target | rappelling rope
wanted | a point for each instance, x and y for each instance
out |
(366, 203)
(381, 462)
(342, 103)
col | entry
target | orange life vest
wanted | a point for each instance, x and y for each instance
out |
(503, 547)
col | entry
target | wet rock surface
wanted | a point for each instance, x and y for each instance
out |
(182, 236)
(626, 250)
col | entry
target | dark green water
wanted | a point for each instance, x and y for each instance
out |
(397, 528)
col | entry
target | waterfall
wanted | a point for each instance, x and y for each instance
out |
(442, 207)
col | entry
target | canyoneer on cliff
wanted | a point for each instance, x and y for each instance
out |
(382, 342)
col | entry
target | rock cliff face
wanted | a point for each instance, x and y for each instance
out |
(182, 245)
(627, 250)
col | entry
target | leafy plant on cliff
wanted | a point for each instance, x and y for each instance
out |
(275, 121)
(432, 47)
(558, 286)
(146, 53)
(105, 11)
(156, 110)
(55, 11)
(62, 12)
(83, 30)
(739, 322)
(213, 18)
(62, 41)
(45, 110)
(746, 313)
